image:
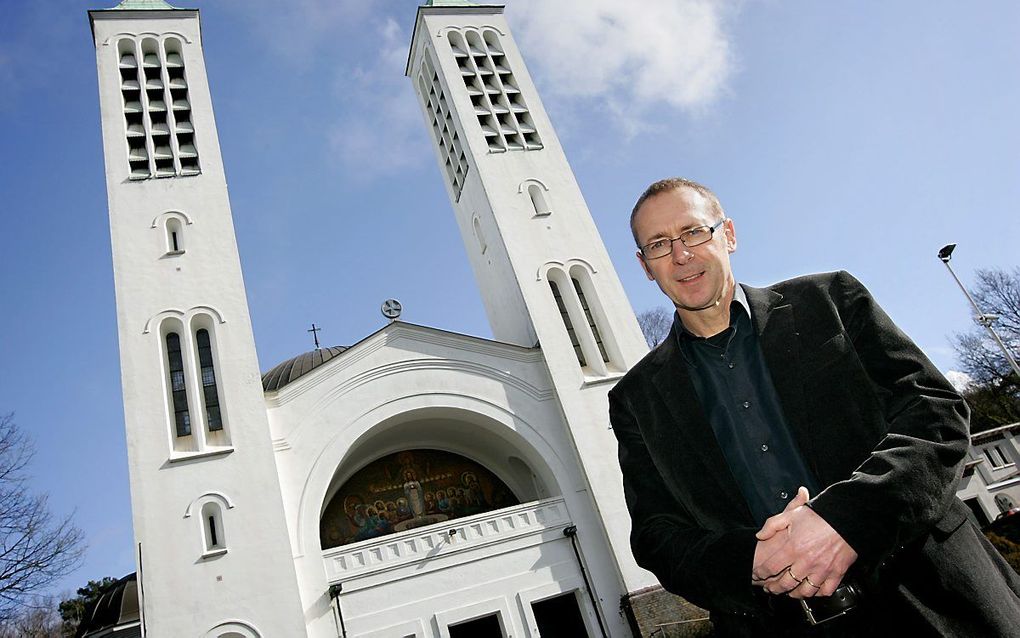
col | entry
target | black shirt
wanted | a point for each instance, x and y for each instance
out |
(736, 391)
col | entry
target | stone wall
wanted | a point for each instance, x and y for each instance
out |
(655, 613)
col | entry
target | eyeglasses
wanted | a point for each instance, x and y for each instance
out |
(694, 237)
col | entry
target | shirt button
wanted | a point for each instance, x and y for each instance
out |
(746, 404)
(764, 447)
(783, 495)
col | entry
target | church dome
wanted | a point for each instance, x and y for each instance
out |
(293, 369)
(114, 612)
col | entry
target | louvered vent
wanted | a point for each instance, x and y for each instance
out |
(495, 96)
(438, 111)
(155, 93)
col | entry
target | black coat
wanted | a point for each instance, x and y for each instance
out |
(877, 424)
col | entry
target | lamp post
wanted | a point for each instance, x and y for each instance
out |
(986, 320)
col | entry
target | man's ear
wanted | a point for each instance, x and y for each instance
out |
(731, 236)
(644, 266)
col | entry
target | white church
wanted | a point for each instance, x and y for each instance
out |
(419, 483)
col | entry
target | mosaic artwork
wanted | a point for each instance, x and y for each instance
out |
(410, 489)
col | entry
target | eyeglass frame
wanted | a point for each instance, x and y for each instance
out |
(711, 235)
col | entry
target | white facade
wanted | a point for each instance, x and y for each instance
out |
(165, 289)
(230, 483)
(527, 229)
(991, 482)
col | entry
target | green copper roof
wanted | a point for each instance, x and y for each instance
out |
(143, 5)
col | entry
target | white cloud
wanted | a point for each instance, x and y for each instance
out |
(380, 129)
(960, 380)
(627, 56)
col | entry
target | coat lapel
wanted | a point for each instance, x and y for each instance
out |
(779, 338)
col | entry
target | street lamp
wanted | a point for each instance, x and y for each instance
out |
(986, 320)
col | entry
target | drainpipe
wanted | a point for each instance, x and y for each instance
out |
(571, 533)
(334, 597)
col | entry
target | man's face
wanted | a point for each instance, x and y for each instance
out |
(693, 278)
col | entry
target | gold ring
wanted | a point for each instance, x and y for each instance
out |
(807, 579)
(790, 570)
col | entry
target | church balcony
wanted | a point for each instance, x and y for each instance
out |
(455, 541)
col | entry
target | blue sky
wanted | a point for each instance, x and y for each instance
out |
(860, 136)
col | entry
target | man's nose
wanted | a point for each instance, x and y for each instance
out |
(681, 254)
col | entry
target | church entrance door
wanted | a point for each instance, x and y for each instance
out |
(560, 616)
(484, 627)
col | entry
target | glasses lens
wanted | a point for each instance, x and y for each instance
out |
(696, 236)
(657, 248)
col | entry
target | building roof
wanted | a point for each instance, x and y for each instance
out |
(292, 369)
(143, 5)
(993, 433)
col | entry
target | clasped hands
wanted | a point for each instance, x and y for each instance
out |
(799, 554)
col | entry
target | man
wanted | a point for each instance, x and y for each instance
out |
(791, 444)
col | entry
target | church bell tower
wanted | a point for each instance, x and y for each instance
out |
(543, 271)
(212, 547)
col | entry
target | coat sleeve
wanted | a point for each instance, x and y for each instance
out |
(908, 482)
(711, 569)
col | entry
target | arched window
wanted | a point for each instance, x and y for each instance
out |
(174, 236)
(539, 201)
(178, 385)
(212, 529)
(213, 418)
(591, 320)
(1003, 502)
(476, 224)
(558, 296)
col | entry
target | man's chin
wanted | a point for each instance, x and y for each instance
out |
(697, 305)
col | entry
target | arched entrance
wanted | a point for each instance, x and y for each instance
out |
(407, 490)
(398, 560)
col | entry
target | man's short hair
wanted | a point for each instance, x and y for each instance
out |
(669, 184)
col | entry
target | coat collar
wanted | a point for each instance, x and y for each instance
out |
(761, 302)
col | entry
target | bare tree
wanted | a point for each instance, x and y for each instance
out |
(35, 548)
(35, 622)
(995, 396)
(655, 324)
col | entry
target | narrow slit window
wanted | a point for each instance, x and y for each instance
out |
(479, 235)
(178, 385)
(212, 528)
(213, 539)
(591, 320)
(567, 324)
(174, 236)
(213, 418)
(538, 201)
